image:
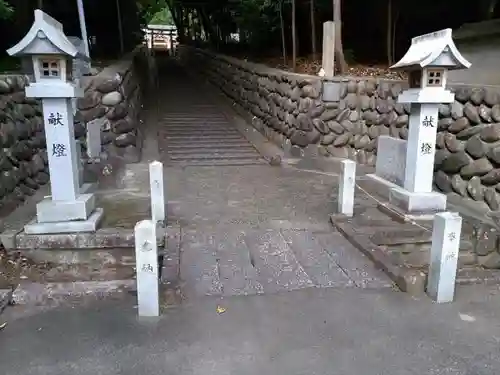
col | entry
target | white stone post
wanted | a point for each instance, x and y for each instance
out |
(444, 256)
(328, 61)
(419, 170)
(61, 149)
(94, 138)
(146, 253)
(81, 169)
(157, 192)
(347, 186)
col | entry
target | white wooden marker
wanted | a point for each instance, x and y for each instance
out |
(347, 184)
(146, 257)
(157, 192)
(444, 256)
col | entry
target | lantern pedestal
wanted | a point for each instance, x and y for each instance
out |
(67, 210)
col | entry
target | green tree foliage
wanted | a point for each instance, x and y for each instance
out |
(6, 9)
(163, 17)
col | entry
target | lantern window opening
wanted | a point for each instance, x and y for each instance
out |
(50, 68)
(435, 77)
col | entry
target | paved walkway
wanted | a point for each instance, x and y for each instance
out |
(307, 332)
(247, 227)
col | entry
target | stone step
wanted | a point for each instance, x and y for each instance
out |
(195, 127)
(199, 267)
(201, 133)
(207, 150)
(209, 146)
(200, 115)
(237, 274)
(208, 142)
(222, 162)
(278, 268)
(189, 138)
(191, 119)
(355, 264)
(212, 156)
(5, 298)
(319, 265)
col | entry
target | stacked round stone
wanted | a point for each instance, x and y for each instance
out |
(468, 146)
(23, 154)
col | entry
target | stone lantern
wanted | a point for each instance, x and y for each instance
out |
(52, 55)
(427, 62)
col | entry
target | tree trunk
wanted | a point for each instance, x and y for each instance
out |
(389, 43)
(393, 46)
(339, 50)
(283, 39)
(313, 30)
(490, 9)
(294, 36)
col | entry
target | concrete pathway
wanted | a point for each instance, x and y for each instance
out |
(246, 227)
(307, 332)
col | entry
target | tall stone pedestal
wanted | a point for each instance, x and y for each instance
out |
(70, 208)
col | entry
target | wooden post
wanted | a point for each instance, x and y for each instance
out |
(328, 63)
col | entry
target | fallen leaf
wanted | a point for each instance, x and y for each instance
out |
(220, 310)
(467, 318)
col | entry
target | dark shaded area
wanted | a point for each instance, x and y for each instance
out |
(364, 24)
(101, 17)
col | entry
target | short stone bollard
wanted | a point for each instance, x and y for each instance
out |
(146, 257)
(94, 147)
(157, 193)
(444, 256)
(347, 185)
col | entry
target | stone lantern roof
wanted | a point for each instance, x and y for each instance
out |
(45, 37)
(435, 49)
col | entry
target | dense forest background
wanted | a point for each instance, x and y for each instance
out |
(372, 31)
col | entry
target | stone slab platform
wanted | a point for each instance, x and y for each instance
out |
(5, 298)
(409, 278)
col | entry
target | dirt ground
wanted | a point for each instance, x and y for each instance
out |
(309, 65)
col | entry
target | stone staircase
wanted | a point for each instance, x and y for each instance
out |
(203, 137)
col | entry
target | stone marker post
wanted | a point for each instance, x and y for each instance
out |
(157, 192)
(93, 136)
(347, 186)
(328, 62)
(444, 256)
(146, 255)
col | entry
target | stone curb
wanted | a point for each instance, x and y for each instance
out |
(37, 293)
(408, 280)
(5, 299)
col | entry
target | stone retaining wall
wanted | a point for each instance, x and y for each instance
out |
(289, 108)
(23, 156)
(114, 95)
(113, 98)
